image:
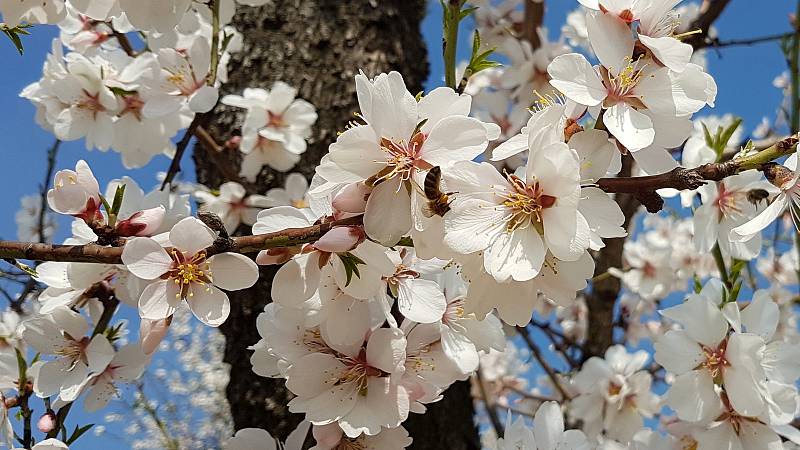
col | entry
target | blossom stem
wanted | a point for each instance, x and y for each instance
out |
(534, 16)
(720, 261)
(452, 18)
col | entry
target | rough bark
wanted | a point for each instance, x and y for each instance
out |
(317, 46)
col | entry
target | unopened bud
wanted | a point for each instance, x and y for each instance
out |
(152, 332)
(352, 199)
(47, 422)
(10, 402)
(233, 143)
(341, 239)
(275, 256)
(141, 223)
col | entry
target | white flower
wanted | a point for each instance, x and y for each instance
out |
(128, 364)
(275, 128)
(233, 205)
(357, 389)
(293, 194)
(187, 273)
(656, 23)
(62, 333)
(726, 204)
(703, 354)
(614, 394)
(418, 299)
(626, 88)
(330, 437)
(182, 81)
(49, 444)
(256, 438)
(76, 193)
(519, 218)
(27, 219)
(32, 11)
(401, 140)
(547, 433)
(788, 199)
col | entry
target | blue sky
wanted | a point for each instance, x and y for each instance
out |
(744, 76)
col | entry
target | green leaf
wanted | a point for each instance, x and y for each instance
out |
(13, 35)
(466, 12)
(350, 263)
(728, 132)
(709, 139)
(78, 432)
(23, 367)
(698, 285)
(118, 195)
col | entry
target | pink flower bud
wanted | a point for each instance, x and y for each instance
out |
(275, 256)
(327, 436)
(352, 199)
(47, 422)
(76, 193)
(233, 143)
(142, 223)
(340, 239)
(152, 332)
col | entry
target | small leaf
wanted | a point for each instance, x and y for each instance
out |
(118, 195)
(78, 432)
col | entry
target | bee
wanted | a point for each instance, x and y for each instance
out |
(756, 196)
(438, 201)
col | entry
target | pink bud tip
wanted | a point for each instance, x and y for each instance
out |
(340, 239)
(142, 223)
(47, 422)
(152, 332)
(352, 199)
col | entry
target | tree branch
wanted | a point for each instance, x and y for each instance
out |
(523, 331)
(710, 11)
(94, 253)
(644, 188)
(534, 16)
(716, 43)
(180, 149)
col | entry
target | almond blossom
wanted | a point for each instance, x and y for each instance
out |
(521, 216)
(614, 394)
(62, 333)
(356, 389)
(275, 129)
(402, 138)
(787, 200)
(187, 273)
(233, 205)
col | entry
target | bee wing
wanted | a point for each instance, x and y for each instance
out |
(427, 210)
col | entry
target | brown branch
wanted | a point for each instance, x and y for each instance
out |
(534, 16)
(644, 188)
(94, 253)
(716, 43)
(499, 430)
(710, 11)
(175, 165)
(540, 358)
(124, 42)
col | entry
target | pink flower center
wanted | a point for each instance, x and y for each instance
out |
(526, 202)
(403, 158)
(186, 272)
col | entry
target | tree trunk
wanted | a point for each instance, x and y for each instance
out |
(317, 46)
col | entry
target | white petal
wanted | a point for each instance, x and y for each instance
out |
(632, 129)
(233, 271)
(145, 258)
(190, 235)
(210, 305)
(576, 78)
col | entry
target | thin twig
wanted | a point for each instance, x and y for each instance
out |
(716, 43)
(540, 358)
(175, 165)
(489, 404)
